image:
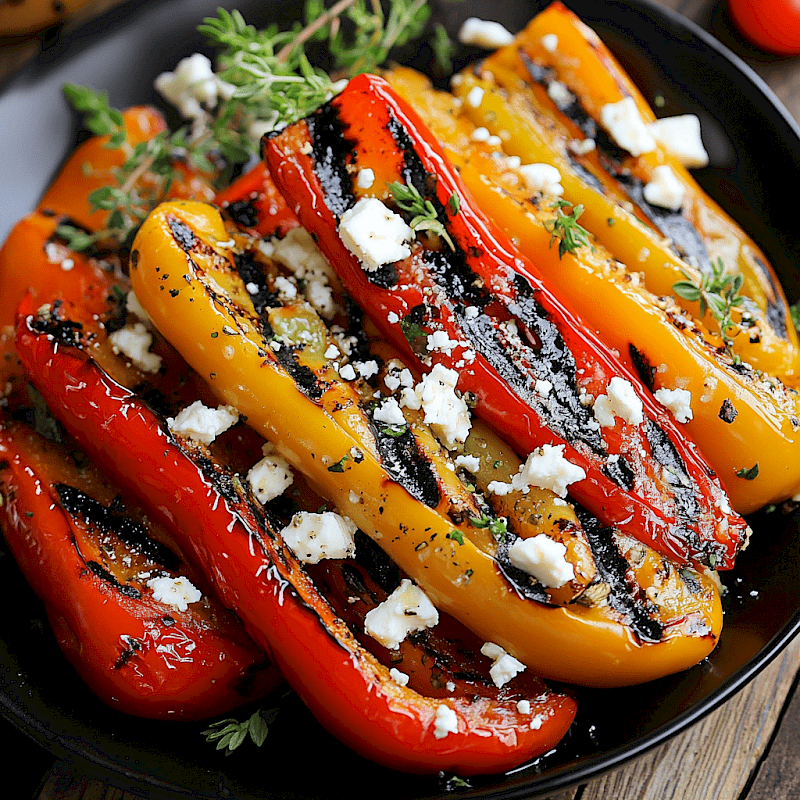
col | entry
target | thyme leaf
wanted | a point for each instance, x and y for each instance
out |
(229, 734)
(425, 217)
(564, 228)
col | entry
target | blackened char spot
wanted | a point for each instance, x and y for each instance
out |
(612, 569)
(113, 520)
(644, 369)
(104, 574)
(182, 233)
(776, 310)
(385, 276)
(64, 331)
(304, 378)
(454, 275)
(727, 411)
(250, 272)
(243, 212)
(587, 177)
(380, 567)
(331, 149)
(686, 241)
(619, 470)
(401, 458)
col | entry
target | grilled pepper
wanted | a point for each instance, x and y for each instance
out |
(506, 328)
(739, 417)
(235, 542)
(89, 558)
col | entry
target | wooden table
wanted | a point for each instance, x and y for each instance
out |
(746, 750)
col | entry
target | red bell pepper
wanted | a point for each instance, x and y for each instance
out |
(255, 574)
(89, 561)
(511, 329)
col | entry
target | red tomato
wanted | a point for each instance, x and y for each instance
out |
(772, 25)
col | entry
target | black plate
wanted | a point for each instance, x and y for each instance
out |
(754, 145)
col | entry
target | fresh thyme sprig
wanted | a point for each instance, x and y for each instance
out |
(565, 228)
(425, 217)
(497, 526)
(229, 734)
(718, 292)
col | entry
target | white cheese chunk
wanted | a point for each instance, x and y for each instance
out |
(504, 666)
(542, 178)
(398, 677)
(621, 401)
(406, 610)
(550, 42)
(366, 177)
(547, 468)
(471, 463)
(678, 401)
(134, 342)
(314, 537)
(192, 85)
(664, 189)
(445, 721)
(543, 558)
(626, 127)
(475, 96)
(389, 412)
(681, 137)
(176, 592)
(560, 94)
(484, 33)
(446, 412)
(271, 476)
(374, 234)
(201, 423)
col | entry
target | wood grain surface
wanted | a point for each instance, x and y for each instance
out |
(746, 750)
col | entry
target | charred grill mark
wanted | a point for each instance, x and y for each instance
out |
(243, 212)
(776, 310)
(303, 377)
(402, 459)
(644, 369)
(133, 647)
(117, 314)
(619, 470)
(453, 274)
(331, 150)
(250, 271)
(587, 177)
(156, 399)
(727, 411)
(182, 233)
(104, 574)
(65, 332)
(525, 584)
(112, 519)
(685, 238)
(359, 347)
(612, 569)
(385, 276)
(377, 564)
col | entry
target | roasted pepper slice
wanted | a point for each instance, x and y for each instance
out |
(89, 560)
(642, 474)
(739, 417)
(236, 543)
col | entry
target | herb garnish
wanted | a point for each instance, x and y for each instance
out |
(497, 527)
(229, 733)
(565, 228)
(425, 217)
(456, 536)
(748, 473)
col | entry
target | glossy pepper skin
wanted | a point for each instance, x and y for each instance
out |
(234, 542)
(680, 517)
(739, 417)
(137, 654)
(198, 302)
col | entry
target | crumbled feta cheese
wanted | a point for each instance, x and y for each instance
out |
(445, 721)
(134, 342)
(678, 401)
(543, 558)
(484, 33)
(374, 234)
(475, 96)
(192, 85)
(542, 388)
(314, 537)
(471, 312)
(332, 351)
(366, 177)
(550, 42)
(513, 162)
(176, 592)
(347, 372)
(471, 463)
(664, 189)
(480, 135)
(626, 127)
(201, 423)
(494, 141)
(398, 677)
(389, 412)
(547, 468)
(542, 178)
(406, 610)
(366, 369)
(446, 412)
(392, 318)
(560, 94)
(621, 401)
(286, 289)
(67, 264)
(504, 666)
(271, 476)
(681, 137)
(440, 342)
(582, 146)
(499, 488)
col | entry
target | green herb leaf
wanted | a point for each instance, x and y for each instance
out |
(395, 431)
(339, 465)
(229, 734)
(748, 474)
(425, 217)
(565, 228)
(456, 536)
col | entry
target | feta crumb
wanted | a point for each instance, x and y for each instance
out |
(550, 42)
(471, 312)
(201, 423)
(582, 146)
(366, 177)
(480, 135)
(626, 127)
(445, 721)
(374, 234)
(193, 84)
(347, 372)
(389, 412)
(504, 666)
(67, 264)
(494, 141)
(271, 476)
(314, 537)
(392, 318)
(547, 468)
(499, 488)
(513, 162)
(286, 289)
(524, 706)
(176, 592)
(621, 401)
(543, 558)
(134, 342)
(471, 463)
(542, 178)
(543, 388)
(484, 33)
(560, 94)
(398, 677)
(366, 369)
(475, 96)
(678, 401)
(681, 137)
(440, 342)
(446, 412)
(406, 610)
(664, 189)
(332, 351)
